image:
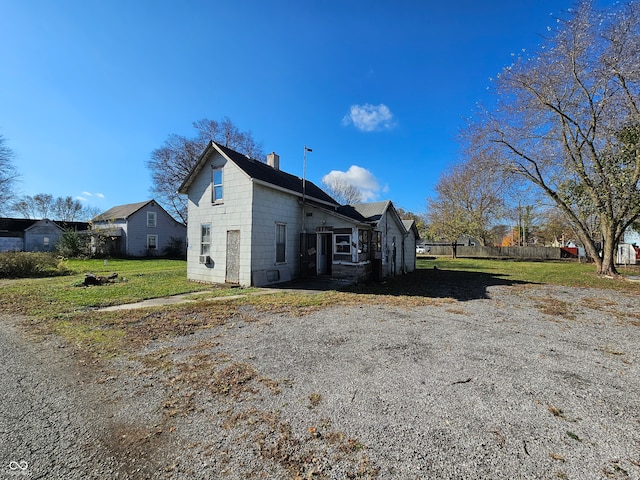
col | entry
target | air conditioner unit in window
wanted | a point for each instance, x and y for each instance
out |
(206, 259)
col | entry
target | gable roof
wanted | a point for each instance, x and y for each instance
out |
(410, 225)
(123, 212)
(44, 221)
(259, 172)
(373, 212)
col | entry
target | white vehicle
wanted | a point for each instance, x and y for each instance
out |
(422, 249)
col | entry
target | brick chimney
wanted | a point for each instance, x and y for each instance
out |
(273, 160)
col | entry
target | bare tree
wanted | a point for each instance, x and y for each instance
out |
(567, 120)
(8, 176)
(67, 209)
(171, 163)
(37, 206)
(342, 192)
(468, 202)
(45, 205)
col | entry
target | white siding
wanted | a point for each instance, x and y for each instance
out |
(410, 252)
(234, 213)
(390, 229)
(270, 207)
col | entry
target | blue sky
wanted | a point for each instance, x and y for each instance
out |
(378, 89)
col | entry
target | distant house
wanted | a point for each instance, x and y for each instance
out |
(22, 234)
(137, 230)
(250, 223)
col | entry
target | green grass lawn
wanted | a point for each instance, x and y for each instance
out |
(568, 273)
(63, 306)
(142, 279)
(137, 280)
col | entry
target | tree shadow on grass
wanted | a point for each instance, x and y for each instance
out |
(436, 283)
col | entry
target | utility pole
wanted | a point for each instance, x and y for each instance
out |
(304, 184)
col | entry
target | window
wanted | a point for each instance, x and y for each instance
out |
(376, 241)
(281, 242)
(205, 239)
(342, 243)
(216, 195)
(152, 242)
(363, 245)
(151, 219)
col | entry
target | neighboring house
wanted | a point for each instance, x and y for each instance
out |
(249, 223)
(137, 230)
(22, 234)
(631, 237)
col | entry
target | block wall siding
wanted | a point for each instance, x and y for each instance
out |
(137, 231)
(234, 213)
(270, 207)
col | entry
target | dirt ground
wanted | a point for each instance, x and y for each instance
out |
(491, 379)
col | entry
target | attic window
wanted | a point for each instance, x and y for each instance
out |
(216, 180)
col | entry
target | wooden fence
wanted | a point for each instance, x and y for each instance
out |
(528, 253)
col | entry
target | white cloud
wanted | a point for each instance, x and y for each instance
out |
(359, 177)
(82, 199)
(369, 118)
(89, 194)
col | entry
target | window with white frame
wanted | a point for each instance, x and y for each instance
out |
(281, 242)
(342, 244)
(216, 180)
(151, 219)
(205, 239)
(152, 242)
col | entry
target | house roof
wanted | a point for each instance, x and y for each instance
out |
(260, 171)
(16, 226)
(373, 212)
(121, 211)
(409, 225)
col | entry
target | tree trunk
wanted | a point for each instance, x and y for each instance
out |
(608, 265)
(454, 250)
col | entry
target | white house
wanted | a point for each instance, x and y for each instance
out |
(249, 223)
(139, 230)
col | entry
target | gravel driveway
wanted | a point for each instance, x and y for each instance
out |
(529, 382)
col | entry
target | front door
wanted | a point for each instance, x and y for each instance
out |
(232, 274)
(324, 254)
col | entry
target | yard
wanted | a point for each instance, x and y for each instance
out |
(464, 369)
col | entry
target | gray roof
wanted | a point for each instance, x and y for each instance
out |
(372, 211)
(121, 211)
(260, 171)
